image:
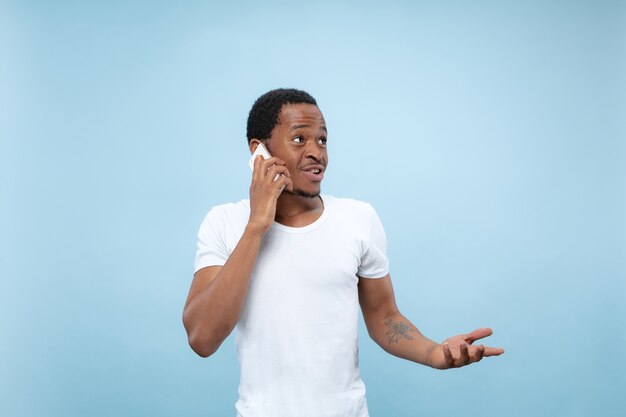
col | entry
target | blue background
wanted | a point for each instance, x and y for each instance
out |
(490, 137)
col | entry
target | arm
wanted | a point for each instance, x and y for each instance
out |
(217, 293)
(399, 337)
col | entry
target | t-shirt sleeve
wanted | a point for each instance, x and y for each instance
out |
(212, 249)
(374, 262)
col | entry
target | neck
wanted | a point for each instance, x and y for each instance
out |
(296, 210)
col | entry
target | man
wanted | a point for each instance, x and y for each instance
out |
(289, 267)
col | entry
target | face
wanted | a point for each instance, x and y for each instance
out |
(299, 139)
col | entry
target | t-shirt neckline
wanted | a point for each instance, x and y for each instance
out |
(309, 227)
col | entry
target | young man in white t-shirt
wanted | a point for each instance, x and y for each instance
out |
(289, 268)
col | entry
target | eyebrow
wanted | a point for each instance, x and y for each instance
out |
(295, 127)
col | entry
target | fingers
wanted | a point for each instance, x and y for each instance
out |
(464, 358)
(489, 351)
(276, 171)
(478, 334)
(263, 166)
(467, 354)
(458, 350)
(480, 353)
(269, 178)
(271, 174)
(283, 182)
(447, 355)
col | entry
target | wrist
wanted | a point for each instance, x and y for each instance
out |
(255, 230)
(431, 354)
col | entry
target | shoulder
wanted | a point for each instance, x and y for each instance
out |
(228, 213)
(238, 208)
(351, 212)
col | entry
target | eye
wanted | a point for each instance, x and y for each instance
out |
(322, 141)
(298, 139)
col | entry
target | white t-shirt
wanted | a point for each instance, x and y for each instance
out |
(297, 334)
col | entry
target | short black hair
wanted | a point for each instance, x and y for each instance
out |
(264, 113)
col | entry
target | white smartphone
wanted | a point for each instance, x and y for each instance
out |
(260, 150)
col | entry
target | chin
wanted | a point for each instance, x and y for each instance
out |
(304, 193)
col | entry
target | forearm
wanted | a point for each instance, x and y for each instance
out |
(399, 337)
(213, 313)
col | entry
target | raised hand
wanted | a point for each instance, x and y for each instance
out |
(269, 178)
(459, 350)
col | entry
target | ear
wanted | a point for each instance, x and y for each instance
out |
(253, 144)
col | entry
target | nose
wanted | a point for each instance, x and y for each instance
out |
(313, 151)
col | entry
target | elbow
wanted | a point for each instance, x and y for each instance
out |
(202, 342)
(202, 348)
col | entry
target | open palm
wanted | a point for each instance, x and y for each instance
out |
(459, 350)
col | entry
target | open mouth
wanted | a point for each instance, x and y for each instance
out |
(314, 172)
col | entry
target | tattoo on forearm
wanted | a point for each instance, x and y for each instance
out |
(397, 330)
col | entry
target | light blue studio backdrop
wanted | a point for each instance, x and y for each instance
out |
(489, 136)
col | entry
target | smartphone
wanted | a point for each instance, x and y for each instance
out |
(260, 150)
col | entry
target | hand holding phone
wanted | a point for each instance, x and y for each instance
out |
(264, 193)
(260, 150)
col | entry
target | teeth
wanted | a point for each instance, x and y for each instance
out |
(316, 171)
